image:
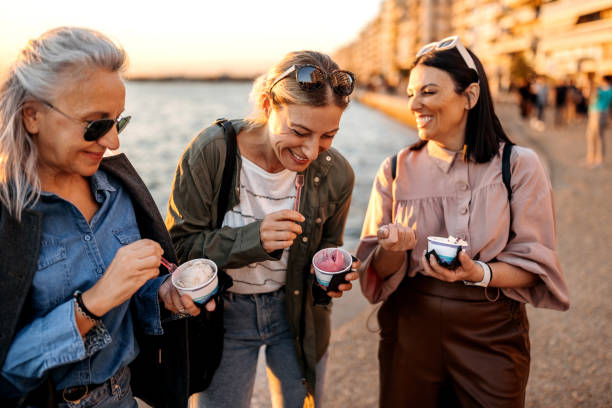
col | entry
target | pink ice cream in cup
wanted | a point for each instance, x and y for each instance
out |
(331, 266)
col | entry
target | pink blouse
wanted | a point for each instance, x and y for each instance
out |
(438, 193)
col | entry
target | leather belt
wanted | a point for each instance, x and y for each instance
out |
(75, 394)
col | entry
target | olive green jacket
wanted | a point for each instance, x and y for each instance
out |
(191, 220)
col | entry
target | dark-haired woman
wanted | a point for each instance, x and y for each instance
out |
(458, 337)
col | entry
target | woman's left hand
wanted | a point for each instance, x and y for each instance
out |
(176, 303)
(343, 287)
(468, 271)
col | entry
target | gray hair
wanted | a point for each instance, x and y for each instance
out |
(64, 53)
(287, 91)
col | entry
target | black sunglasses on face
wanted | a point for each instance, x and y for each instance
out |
(311, 77)
(95, 129)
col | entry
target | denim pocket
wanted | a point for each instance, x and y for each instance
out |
(51, 278)
(127, 235)
(51, 251)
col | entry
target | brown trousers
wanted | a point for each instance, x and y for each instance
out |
(446, 345)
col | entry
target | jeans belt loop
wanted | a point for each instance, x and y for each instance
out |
(113, 382)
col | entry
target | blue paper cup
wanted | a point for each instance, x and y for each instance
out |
(446, 250)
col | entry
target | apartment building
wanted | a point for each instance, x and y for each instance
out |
(557, 38)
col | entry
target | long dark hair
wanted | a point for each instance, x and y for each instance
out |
(483, 131)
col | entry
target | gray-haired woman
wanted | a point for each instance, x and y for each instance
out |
(81, 236)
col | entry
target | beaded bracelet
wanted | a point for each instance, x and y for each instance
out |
(83, 309)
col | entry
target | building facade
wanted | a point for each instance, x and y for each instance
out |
(559, 38)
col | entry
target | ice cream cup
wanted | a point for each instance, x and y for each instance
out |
(200, 293)
(446, 249)
(331, 279)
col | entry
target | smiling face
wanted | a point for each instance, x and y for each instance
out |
(440, 112)
(62, 150)
(299, 133)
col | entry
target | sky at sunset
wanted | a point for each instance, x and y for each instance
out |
(194, 38)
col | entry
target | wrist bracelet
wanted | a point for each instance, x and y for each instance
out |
(81, 306)
(486, 279)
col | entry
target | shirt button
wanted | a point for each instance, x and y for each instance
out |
(463, 211)
(304, 239)
(87, 237)
(296, 292)
(238, 189)
(463, 187)
(316, 179)
(328, 158)
(318, 220)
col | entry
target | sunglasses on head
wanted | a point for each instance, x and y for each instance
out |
(447, 44)
(95, 129)
(311, 77)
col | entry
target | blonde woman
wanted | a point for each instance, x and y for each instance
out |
(263, 244)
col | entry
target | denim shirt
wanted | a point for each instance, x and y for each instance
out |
(74, 255)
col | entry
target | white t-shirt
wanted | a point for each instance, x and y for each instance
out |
(261, 193)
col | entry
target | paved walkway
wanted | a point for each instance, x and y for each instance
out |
(571, 351)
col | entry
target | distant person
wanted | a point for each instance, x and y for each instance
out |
(263, 243)
(541, 96)
(561, 103)
(81, 237)
(597, 121)
(576, 103)
(458, 337)
(525, 98)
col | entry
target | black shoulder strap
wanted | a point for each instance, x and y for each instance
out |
(228, 169)
(506, 167)
(394, 166)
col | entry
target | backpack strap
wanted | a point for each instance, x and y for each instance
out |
(506, 175)
(228, 169)
(394, 166)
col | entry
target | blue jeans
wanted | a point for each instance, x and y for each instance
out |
(252, 321)
(114, 393)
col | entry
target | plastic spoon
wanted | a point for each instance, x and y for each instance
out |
(169, 265)
(299, 183)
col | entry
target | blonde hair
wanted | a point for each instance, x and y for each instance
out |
(40, 70)
(287, 91)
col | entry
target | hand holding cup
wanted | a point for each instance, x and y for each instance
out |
(177, 303)
(334, 269)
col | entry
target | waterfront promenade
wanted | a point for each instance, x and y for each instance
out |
(571, 353)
